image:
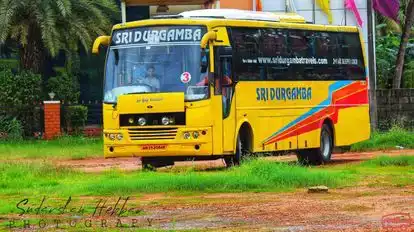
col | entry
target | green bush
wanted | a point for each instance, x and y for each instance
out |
(386, 53)
(19, 89)
(19, 92)
(65, 86)
(10, 128)
(75, 118)
(6, 64)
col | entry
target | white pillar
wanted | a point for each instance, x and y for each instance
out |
(254, 5)
(123, 11)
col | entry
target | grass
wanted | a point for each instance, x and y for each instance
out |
(396, 137)
(34, 179)
(383, 171)
(66, 147)
(386, 161)
(70, 147)
(38, 178)
(26, 178)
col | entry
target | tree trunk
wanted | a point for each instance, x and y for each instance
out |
(32, 55)
(403, 46)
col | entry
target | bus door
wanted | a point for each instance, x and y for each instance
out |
(226, 81)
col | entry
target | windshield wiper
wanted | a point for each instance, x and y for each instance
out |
(137, 93)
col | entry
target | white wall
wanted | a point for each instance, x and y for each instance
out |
(313, 13)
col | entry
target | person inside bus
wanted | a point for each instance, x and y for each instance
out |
(226, 83)
(150, 79)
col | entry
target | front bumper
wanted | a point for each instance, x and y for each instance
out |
(158, 142)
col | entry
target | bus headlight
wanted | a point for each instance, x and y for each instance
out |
(187, 135)
(165, 121)
(142, 121)
(111, 136)
(131, 120)
(119, 136)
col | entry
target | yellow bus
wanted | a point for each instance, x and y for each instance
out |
(211, 84)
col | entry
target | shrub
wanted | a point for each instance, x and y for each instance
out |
(65, 86)
(10, 128)
(19, 88)
(7, 64)
(19, 92)
(386, 54)
(75, 118)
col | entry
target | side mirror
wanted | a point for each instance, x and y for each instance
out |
(101, 40)
(204, 60)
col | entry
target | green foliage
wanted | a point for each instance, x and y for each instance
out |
(55, 25)
(75, 118)
(387, 50)
(10, 128)
(396, 137)
(7, 64)
(408, 75)
(19, 92)
(19, 88)
(65, 86)
(386, 54)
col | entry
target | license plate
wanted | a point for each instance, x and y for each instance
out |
(153, 147)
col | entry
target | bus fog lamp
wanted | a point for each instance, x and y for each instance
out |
(196, 134)
(187, 135)
(131, 120)
(165, 121)
(142, 121)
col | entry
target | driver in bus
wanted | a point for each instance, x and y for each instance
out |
(150, 79)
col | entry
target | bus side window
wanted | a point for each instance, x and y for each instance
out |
(247, 44)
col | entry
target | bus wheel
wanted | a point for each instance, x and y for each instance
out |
(319, 155)
(241, 153)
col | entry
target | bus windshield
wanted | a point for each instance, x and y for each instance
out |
(155, 66)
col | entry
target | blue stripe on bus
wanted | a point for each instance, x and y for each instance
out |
(332, 88)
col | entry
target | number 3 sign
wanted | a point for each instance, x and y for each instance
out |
(185, 77)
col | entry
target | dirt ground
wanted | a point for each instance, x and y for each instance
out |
(350, 209)
(131, 164)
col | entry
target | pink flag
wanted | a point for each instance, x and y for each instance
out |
(350, 5)
(388, 8)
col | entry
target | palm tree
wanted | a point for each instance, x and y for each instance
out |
(45, 27)
(407, 28)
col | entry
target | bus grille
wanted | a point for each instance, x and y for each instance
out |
(153, 133)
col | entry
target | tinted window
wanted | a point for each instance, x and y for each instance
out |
(247, 46)
(283, 54)
(299, 43)
(274, 42)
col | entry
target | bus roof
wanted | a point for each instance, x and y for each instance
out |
(233, 17)
(243, 15)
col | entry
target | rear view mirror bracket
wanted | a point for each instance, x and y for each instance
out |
(101, 40)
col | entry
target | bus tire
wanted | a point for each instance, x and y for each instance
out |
(240, 154)
(319, 155)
